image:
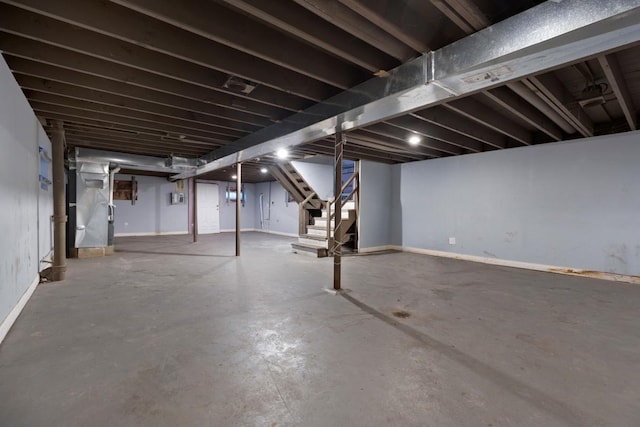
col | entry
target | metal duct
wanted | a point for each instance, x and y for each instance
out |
(542, 38)
(171, 164)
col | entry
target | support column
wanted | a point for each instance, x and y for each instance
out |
(59, 267)
(337, 229)
(238, 205)
(194, 207)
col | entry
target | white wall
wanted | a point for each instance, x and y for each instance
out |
(26, 209)
(573, 204)
(279, 217)
(153, 213)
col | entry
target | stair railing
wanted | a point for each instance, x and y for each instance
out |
(303, 215)
(337, 238)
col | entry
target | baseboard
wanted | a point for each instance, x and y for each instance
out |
(529, 266)
(152, 233)
(380, 249)
(278, 233)
(8, 321)
(233, 230)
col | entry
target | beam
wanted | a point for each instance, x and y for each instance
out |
(143, 34)
(384, 23)
(542, 38)
(66, 103)
(401, 134)
(99, 113)
(613, 73)
(130, 129)
(317, 32)
(53, 92)
(207, 87)
(565, 107)
(517, 106)
(415, 125)
(72, 83)
(447, 119)
(220, 24)
(348, 20)
(477, 112)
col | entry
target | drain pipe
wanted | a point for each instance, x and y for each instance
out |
(59, 267)
(112, 175)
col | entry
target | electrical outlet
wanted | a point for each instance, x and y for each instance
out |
(452, 240)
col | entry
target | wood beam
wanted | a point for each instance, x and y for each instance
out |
(49, 91)
(447, 119)
(523, 110)
(550, 90)
(220, 24)
(172, 52)
(345, 18)
(615, 77)
(263, 101)
(477, 112)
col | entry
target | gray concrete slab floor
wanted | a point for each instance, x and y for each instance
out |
(169, 333)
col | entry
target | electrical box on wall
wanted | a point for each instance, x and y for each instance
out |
(177, 198)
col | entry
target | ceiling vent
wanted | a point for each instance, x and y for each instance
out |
(238, 85)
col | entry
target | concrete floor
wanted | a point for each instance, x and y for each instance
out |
(166, 333)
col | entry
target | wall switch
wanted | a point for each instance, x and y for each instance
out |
(452, 240)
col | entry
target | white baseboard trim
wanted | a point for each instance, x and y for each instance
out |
(528, 265)
(8, 321)
(233, 230)
(278, 233)
(152, 233)
(380, 249)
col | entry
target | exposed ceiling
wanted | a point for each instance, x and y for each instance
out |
(161, 77)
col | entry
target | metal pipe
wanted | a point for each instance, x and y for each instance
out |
(59, 267)
(194, 213)
(112, 206)
(238, 205)
(337, 209)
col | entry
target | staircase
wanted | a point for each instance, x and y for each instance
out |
(319, 237)
(316, 234)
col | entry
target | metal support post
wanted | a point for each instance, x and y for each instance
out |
(337, 209)
(238, 205)
(194, 214)
(59, 267)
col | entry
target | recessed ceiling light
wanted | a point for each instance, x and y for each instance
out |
(234, 177)
(282, 153)
(414, 140)
(263, 170)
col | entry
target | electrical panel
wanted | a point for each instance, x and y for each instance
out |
(177, 198)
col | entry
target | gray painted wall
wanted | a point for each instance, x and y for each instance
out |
(573, 204)
(375, 204)
(26, 209)
(318, 172)
(280, 217)
(153, 213)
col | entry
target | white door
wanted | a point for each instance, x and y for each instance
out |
(208, 208)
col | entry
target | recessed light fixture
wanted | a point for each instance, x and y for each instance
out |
(263, 170)
(414, 140)
(282, 153)
(234, 177)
